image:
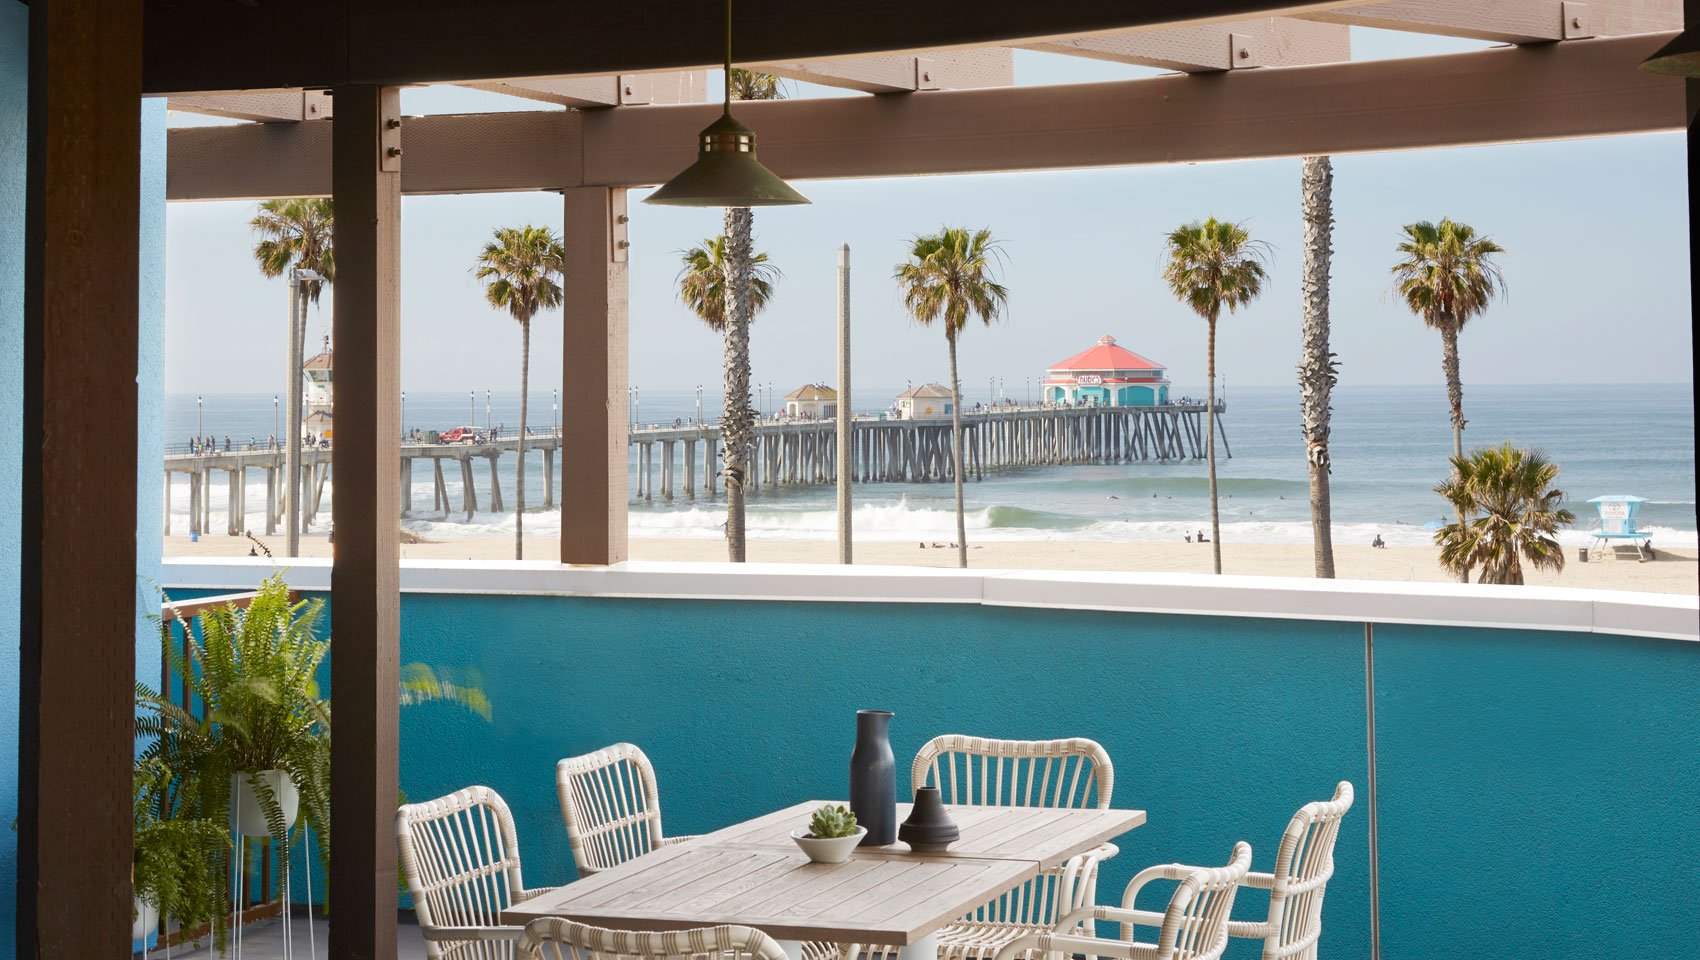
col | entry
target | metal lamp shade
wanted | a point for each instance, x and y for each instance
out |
(726, 174)
(1679, 58)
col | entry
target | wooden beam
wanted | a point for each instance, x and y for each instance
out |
(593, 367)
(675, 86)
(1503, 95)
(263, 106)
(1557, 91)
(1267, 42)
(200, 47)
(943, 70)
(77, 614)
(1510, 21)
(365, 578)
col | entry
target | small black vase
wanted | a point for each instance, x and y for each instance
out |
(929, 829)
(873, 778)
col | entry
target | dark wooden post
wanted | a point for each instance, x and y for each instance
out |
(365, 585)
(78, 579)
(593, 391)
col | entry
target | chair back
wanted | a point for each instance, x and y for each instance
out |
(611, 806)
(1070, 773)
(554, 938)
(1073, 773)
(1195, 925)
(460, 856)
(1302, 868)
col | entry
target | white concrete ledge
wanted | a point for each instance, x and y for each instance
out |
(1621, 613)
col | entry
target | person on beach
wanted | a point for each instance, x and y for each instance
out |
(1201, 538)
(1188, 537)
(1378, 543)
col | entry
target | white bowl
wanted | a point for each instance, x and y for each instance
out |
(829, 849)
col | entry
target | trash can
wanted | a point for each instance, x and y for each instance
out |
(1582, 554)
(432, 436)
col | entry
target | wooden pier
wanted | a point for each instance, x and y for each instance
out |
(918, 451)
(316, 470)
(686, 457)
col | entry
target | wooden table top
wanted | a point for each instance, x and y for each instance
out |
(753, 874)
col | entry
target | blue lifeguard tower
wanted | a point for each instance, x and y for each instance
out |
(1617, 522)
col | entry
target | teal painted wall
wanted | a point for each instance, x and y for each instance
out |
(1135, 397)
(1535, 787)
(14, 63)
(14, 74)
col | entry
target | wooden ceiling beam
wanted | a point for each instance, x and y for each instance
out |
(1266, 42)
(1502, 95)
(1511, 21)
(942, 70)
(265, 106)
(672, 86)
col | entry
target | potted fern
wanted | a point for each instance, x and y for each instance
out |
(258, 756)
(172, 871)
(831, 836)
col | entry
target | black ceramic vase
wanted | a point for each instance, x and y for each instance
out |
(873, 778)
(929, 829)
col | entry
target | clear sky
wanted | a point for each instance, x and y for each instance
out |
(1596, 264)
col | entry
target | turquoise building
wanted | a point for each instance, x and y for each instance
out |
(1106, 375)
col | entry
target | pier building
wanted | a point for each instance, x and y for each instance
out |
(319, 396)
(1107, 375)
(929, 401)
(812, 401)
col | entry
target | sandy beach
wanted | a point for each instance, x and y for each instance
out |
(1675, 571)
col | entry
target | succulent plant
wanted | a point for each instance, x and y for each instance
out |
(832, 821)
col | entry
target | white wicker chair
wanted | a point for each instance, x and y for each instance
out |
(1029, 773)
(1194, 927)
(1303, 865)
(611, 806)
(460, 856)
(553, 938)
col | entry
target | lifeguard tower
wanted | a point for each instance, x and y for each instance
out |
(1615, 527)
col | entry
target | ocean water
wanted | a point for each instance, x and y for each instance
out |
(1389, 445)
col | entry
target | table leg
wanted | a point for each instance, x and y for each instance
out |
(793, 948)
(926, 948)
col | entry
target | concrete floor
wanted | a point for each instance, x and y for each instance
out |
(263, 940)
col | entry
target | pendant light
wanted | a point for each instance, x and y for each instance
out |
(727, 173)
(1679, 58)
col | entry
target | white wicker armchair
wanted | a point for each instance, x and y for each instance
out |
(460, 856)
(1303, 865)
(553, 938)
(1071, 773)
(1194, 927)
(612, 808)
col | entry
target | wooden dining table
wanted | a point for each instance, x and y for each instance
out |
(752, 874)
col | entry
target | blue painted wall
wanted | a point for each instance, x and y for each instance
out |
(1535, 787)
(14, 71)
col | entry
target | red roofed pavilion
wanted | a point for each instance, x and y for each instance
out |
(1107, 376)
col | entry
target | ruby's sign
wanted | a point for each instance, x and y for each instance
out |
(1089, 380)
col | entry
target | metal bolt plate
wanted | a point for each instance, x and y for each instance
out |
(389, 130)
(1240, 51)
(1577, 26)
(618, 244)
(926, 74)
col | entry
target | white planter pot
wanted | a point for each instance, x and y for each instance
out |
(246, 816)
(147, 920)
(829, 849)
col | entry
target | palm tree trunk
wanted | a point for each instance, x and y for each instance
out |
(956, 448)
(1210, 450)
(1316, 362)
(1455, 396)
(735, 423)
(293, 516)
(519, 469)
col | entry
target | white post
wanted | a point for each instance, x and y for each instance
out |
(844, 454)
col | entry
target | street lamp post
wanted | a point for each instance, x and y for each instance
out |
(471, 407)
(699, 405)
(487, 416)
(199, 433)
(555, 413)
(274, 418)
(637, 411)
(404, 414)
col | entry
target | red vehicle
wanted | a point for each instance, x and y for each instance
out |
(460, 435)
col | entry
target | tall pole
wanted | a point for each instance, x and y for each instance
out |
(274, 418)
(637, 413)
(844, 448)
(487, 432)
(292, 415)
(471, 407)
(555, 414)
(199, 433)
(404, 414)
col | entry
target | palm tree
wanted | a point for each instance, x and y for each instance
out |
(295, 233)
(1316, 362)
(750, 85)
(1511, 488)
(1213, 264)
(521, 265)
(1448, 276)
(705, 284)
(947, 278)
